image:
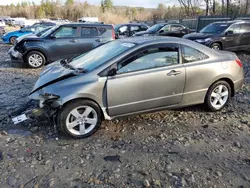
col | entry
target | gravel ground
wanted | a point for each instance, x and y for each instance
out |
(182, 148)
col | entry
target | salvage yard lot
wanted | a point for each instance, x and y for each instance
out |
(180, 148)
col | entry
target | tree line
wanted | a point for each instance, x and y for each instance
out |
(108, 13)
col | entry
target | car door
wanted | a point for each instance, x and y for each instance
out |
(231, 37)
(63, 43)
(153, 78)
(245, 36)
(178, 31)
(90, 38)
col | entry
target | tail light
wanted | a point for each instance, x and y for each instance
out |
(239, 62)
(113, 32)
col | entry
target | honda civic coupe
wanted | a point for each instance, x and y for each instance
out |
(133, 76)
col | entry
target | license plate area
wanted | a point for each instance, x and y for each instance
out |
(19, 119)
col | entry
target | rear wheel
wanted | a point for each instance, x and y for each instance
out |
(80, 119)
(13, 40)
(35, 59)
(216, 46)
(218, 96)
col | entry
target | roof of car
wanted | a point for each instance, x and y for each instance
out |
(84, 24)
(151, 39)
(231, 22)
(133, 24)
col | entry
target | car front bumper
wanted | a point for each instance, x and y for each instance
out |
(15, 55)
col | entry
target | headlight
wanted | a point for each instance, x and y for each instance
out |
(47, 96)
(203, 40)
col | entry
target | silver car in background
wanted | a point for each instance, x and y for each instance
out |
(133, 76)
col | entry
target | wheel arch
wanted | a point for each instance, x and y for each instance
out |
(229, 81)
(86, 98)
(38, 50)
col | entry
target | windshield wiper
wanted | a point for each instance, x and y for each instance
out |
(65, 64)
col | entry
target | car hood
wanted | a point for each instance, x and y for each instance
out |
(29, 35)
(52, 73)
(143, 33)
(195, 36)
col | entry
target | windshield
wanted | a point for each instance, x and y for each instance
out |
(98, 56)
(43, 31)
(27, 28)
(215, 28)
(45, 34)
(155, 28)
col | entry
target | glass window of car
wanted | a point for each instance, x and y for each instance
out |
(150, 58)
(102, 30)
(143, 27)
(155, 27)
(176, 28)
(190, 54)
(215, 28)
(123, 30)
(64, 32)
(98, 56)
(235, 28)
(134, 28)
(89, 31)
(245, 28)
(166, 28)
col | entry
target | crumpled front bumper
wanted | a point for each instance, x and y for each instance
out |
(15, 54)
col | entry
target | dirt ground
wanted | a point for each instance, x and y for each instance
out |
(181, 148)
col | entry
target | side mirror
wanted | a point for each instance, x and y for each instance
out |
(161, 31)
(229, 32)
(112, 72)
(52, 37)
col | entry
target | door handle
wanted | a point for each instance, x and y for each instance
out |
(73, 40)
(173, 73)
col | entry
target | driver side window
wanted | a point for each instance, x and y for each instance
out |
(150, 58)
(65, 32)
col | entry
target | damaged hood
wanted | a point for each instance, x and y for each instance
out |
(53, 73)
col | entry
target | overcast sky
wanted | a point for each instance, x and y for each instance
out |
(141, 3)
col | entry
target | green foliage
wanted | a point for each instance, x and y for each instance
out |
(106, 5)
(69, 2)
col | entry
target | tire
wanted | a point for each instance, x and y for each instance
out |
(221, 92)
(78, 127)
(35, 59)
(13, 40)
(216, 46)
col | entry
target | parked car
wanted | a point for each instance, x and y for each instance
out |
(36, 34)
(133, 76)
(63, 41)
(128, 30)
(165, 29)
(229, 35)
(10, 37)
(2, 31)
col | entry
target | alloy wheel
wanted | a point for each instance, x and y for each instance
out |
(216, 47)
(35, 60)
(219, 96)
(81, 120)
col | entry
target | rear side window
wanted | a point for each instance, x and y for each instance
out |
(102, 30)
(89, 31)
(64, 32)
(176, 28)
(143, 28)
(235, 28)
(190, 55)
(245, 28)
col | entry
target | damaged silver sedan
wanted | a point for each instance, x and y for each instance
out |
(133, 76)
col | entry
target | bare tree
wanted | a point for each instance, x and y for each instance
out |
(190, 6)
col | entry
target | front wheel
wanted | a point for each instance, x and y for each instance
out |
(13, 40)
(216, 46)
(218, 96)
(80, 118)
(35, 59)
